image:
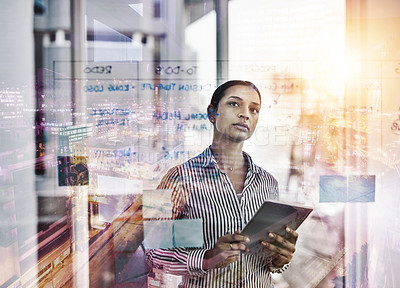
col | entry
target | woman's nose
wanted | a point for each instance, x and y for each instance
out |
(243, 115)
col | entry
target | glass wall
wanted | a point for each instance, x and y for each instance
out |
(100, 99)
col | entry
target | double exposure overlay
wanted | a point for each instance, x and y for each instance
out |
(100, 99)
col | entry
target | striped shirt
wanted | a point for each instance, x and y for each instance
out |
(201, 190)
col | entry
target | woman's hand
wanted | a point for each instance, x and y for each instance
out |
(225, 251)
(281, 249)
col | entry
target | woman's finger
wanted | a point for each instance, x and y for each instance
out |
(279, 260)
(274, 249)
(282, 242)
(234, 238)
(291, 235)
(238, 246)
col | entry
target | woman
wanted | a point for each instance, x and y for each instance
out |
(224, 188)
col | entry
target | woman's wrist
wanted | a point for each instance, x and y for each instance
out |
(273, 269)
(278, 270)
(206, 260)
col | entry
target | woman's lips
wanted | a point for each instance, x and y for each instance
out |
(242, 127)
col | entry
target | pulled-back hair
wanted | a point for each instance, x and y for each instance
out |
(220, 91)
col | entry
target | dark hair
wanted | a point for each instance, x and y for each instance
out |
(220, 91)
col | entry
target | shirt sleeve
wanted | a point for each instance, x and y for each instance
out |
(178, 261)
(279, 270)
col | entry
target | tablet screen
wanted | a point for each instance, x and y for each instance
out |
(267, 216)
(274, 216)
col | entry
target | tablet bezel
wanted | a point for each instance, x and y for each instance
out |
(293, 220)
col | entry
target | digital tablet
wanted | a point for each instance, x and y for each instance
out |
(273, 216)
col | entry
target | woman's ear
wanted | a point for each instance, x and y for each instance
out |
(211, 113)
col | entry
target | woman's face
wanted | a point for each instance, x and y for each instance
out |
(237, 113)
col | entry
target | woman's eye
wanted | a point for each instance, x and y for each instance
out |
(254, 110)
(234, 104)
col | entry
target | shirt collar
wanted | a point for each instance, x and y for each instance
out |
(252, 167)
(208, 159)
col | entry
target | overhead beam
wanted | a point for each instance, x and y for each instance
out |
(221, 9)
